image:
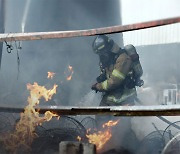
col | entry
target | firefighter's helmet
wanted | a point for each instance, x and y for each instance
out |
(102, 44)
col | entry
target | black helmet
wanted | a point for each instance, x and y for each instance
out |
(102, 43)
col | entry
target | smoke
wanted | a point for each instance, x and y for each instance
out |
(90, 99)
(1, 26)
(39, 57)
(25, 13)
(160, 63)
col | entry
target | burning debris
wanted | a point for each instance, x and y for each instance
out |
(24, 132)
(100, 138)
(50, 134)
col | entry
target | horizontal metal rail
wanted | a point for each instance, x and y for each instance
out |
(89, 32)
(156, 110)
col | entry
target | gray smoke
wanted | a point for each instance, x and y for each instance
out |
(160, 62)
(39, 57)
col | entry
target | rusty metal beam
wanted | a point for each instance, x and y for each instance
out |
(158, 110)
(89, 32)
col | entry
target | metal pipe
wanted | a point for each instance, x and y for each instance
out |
(168, 110)
(174, 139)
(89, 32)
(168, 122)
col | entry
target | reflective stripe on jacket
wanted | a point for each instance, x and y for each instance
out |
(116, 73)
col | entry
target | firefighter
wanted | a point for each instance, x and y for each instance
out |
(120, 74)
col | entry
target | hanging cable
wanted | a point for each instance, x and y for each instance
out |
(9, 47)
(18, 47)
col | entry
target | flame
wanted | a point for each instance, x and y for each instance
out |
(110, 123)
(50, 75)
(79, 138)
(25, 128)
(70, 71)
(101, 137)
(88, 130)
(70, 67)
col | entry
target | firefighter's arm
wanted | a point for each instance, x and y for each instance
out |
(121, 68)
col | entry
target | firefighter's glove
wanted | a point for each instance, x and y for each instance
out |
(101, 78)
(94, 87)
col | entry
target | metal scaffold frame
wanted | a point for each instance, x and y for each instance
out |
(155, 110)
(89, 32)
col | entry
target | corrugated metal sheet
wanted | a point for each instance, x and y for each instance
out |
(135, 11)
(157, 35)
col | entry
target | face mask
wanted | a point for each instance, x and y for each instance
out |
(105, 59)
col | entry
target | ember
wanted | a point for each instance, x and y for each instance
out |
(50, 75)
(70, 73)
(79, 138)
(110, 123)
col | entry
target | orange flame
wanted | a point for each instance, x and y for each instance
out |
(79, 138)
(70, 71)
(110, 123)
(101, 137)
(70, 67)
(50, 75)
(25, 128)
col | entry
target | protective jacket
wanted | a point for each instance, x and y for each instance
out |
(115, 87)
